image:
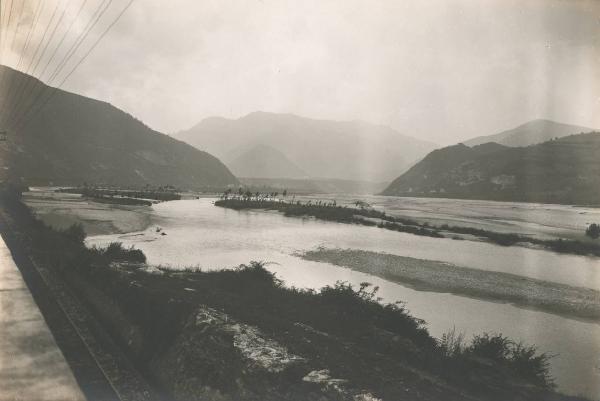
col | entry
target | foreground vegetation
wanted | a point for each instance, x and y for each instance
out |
(240, 334)
(364, 215)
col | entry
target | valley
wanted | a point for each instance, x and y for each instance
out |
(198, 234)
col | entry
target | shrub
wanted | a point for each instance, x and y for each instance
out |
(593, 231)
(256, 271)
(494, 347)
(523, 362)
(359, 310)
(452, 344)
(75, 233)
(116, 252)
(527, 363)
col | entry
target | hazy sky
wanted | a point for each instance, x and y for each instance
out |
(438, 70)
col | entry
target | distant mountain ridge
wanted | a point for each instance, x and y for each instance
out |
(349, 150)
(75, 139)
(566, 170)
(313, 185)
(530, 133)
(265, 162)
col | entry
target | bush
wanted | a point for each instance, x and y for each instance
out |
(256, 271)
(593, 231)
(360, 310)
(452, 344)
(116, 252)
(496, 347)
(75, 233)
(524, 362)
(527, 363)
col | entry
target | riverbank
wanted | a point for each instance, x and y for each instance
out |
(62, 210)
(428, 275)
(239, 334)
(330, 211)
(98, 365)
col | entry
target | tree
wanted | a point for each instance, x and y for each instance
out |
(593, 231)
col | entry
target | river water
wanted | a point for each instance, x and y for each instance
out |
(200, 234)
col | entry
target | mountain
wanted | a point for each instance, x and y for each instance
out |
(265, 162)
(75, 139)
(531, 133)
(350, 150)
(566, 170)
(314, 185)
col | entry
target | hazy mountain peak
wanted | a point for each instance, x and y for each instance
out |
(264, 161)
(267, 115)
(321, 148)
(530, 133)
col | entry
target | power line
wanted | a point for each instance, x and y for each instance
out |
(20, 98)
(78, 64)
(7, 27)
(4, 72)
(75, 46)
(33, 26)
(62, 16)
(100, 10)
(26, 94)
(8, 93)
(1, 27)
(18, 24)
(11, 45)
(96, 42)
(65, 34)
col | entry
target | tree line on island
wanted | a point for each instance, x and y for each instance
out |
(364, 214)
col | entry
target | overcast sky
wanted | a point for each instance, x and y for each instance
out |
(437, 70)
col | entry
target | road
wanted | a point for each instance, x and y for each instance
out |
(32, 367)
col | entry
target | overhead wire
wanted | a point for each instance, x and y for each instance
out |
(8, 93)
(61, 41)
(7, 28)
(65, 34)
(43, 44)
(99, 12)
(11, 45)
(22, 123)
(22, 115)
(102, 8)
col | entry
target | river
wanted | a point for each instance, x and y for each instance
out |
(200, 234)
